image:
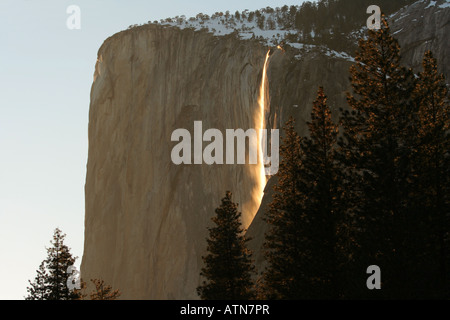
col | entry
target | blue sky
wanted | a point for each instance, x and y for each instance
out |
(46, 72)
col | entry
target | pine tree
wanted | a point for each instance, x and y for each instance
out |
(377, 149)
(321, 208)
(58, 261)
(103, 291)
(432, 168)
(228, 266)
(305, 216)
(281, 280)
(51, 280)
(37, 289)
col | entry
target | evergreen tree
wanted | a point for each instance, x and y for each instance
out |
(51, 280)
(261, 21)
(320, 204)
(432, 180)
(103, 291)
(58, 261)
(228, 266)
(377, 150)
(281, 279)
(37, 289)
(305, 217)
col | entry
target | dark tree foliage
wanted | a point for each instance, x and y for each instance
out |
(103, 291)
(327, 22)
(379, 150)
(305, 242)
(37, 289)
(332, 20)
(283, 276)
(51, 279)
(432, 166)
(322, 215)
(228, 266)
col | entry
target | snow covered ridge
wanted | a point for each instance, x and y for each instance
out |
(292, 26)
(268, 26)
(307, 48)
(444, 5)
(438, 5)
(221, 26)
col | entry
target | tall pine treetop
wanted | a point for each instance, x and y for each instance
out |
(228, 266)
(51, 280)
(378, 79)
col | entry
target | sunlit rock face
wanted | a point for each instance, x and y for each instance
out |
(146, 218)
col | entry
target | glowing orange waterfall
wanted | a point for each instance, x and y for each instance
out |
(262, 125)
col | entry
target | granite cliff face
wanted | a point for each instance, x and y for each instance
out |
(146, 218)
(420, 27)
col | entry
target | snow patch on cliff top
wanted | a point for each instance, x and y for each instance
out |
(273, 34)
(221, 25)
